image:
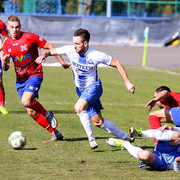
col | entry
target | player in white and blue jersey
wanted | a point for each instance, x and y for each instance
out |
(167, 152)
(84, 61)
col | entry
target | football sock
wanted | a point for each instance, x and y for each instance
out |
(176, 166)
(41, 120)
(2, 97)
(86, 122)
(111, 128)
(133, 150)
(159, 135)
(176, 129)
(154, 124)
(39, 108)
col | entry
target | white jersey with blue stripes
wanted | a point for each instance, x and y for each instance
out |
(84, 66)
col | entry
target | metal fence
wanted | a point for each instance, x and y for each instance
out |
(109, 8)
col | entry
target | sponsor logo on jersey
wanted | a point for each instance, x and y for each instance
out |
(23, 47)
(15, 44)
(82, 67)
(20, 59)
(26, 57)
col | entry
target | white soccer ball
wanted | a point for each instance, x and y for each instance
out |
(17, 140)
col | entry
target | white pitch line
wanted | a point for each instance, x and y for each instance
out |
(165, 71)
(106, 104)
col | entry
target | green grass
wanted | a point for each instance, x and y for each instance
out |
(72, 158)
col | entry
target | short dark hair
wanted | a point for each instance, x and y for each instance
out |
(162, 88)
(83, 33)
(13, 18)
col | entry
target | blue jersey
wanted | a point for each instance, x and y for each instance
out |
(84, 67)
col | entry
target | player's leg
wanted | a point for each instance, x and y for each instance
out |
(32, 106)
(30, 92)
(109, 127)
(2, 93)
(158, 117)
(80, 108)
(42, 121)
(177, 164)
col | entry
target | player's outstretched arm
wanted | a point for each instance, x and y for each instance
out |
(53, 53)
(161, 95)
(115, 63)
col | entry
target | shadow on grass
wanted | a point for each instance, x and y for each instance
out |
(82, 139)
(54, 111)
(27, 149)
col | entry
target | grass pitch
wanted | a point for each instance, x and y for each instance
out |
(72, 158)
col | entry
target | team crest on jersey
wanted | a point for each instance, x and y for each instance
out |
(9, 50)
(77, 71)
(23, 47)
(40, 38)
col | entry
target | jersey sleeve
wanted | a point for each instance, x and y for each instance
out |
(104, 58)
(3, 29)
(64, 50)
(38, 41)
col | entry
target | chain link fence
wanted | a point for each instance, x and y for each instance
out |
(118, 8)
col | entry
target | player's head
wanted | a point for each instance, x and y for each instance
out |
(165, 98)
(81, 40)
(162, 88)
(14, 26)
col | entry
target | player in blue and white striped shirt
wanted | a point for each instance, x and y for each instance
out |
(84, 61)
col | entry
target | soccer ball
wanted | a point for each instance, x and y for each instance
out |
(17, 140)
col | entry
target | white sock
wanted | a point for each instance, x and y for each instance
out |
(111, 128)
(86, 122)
(176, 166)
(165, 135)
(176, 129)
(133, 150)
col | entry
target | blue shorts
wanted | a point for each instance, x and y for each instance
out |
(1, 71)
(92, 95)
(32, 85)
(162, 160)
(175, 112)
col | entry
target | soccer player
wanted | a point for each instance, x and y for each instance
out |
(84, 61)
(22, 47)
(166, 154)
(4, 33)
(167, 101)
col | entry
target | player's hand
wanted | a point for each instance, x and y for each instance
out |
(5, 58)
(151, 103)
(165, 127)
(130, 87)
(40, 59)
(66, 65)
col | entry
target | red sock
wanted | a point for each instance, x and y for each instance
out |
(39, 108)
(41, 120)
(2, 97)
(154, 124)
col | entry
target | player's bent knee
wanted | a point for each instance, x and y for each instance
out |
(26, 103)
(144, 155)
(78, 109)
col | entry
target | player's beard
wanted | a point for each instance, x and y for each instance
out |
(81, 51)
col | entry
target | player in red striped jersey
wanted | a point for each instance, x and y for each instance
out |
(165, 99)
(4, 32)
(22, 47)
